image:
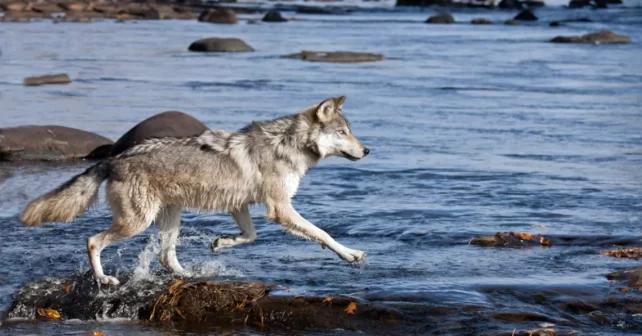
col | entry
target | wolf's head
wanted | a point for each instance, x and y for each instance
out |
(334, 136)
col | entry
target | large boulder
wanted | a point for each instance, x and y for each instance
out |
(336, 56)
(525, 15)
(216, 15)
(510, 4)
(216, 44)
(441, 18)
(273, 16)
(49, 143)
(603, 37)
(167, 124)
(47, 79)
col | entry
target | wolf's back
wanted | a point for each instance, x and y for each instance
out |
(66, 202)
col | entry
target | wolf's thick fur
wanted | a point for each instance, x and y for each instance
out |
(217, 170)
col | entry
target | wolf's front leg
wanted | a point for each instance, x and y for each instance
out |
(248, 233)
(297, 225)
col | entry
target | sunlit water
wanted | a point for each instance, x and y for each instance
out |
(473, 130)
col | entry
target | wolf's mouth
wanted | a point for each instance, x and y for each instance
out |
(349, 157)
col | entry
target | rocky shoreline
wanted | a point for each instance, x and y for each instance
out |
(83, 11)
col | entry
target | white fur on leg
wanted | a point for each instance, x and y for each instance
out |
(169, 223)
(248, 233)
(299, 226)
(95, 245)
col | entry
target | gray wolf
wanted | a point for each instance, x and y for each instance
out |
(262, 163)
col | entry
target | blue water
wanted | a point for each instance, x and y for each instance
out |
(473, 130)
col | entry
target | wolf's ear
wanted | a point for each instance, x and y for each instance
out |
(339, 101)
(326, 110)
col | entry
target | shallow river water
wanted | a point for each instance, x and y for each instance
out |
(473, 130)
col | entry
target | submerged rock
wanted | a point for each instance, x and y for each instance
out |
(511, 239)
(216, 44)
(632, 277)
(511, 22)
(48, 143)
(47, 79)
(166, 124)
(510, 4)
(273, 16)
(424, 2)
(441, 18)
(336, 56)
(481, 21)
(221, 15)
(525, 15)
(603, 37)
(326, 10)
(632, 253)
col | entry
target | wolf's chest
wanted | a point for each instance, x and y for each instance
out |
(291, 183)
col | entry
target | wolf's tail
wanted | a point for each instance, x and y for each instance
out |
(66, 202)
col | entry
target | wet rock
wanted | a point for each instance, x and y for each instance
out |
(579, 3)
(603, 37)
(424, 2)
(562, 22)
(167, 124)
(17, 6)
(45, 7)
(441, 18)
(511, 22)
(47, 143)
(126, 17)
(599, 317)
(525, 15)
(534, 3)
(220, 45)
(226, 304)
(481, 21)
(273, 16)
(633, 253)
(632, 277)
(222, 15)
(336, 56)
(23, 16)
(511, 239)
(521, 317)
(326, 10)
(74, 6)
(510, 4)
(47, 79)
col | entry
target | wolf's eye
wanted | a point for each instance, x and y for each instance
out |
(342, 132)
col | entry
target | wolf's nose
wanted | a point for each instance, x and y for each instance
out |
(366, 151)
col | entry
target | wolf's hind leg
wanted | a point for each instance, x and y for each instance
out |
(169, 223)
(248, 233)
(122, 227)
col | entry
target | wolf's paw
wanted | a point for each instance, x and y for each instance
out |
(221, 242)
(352, 256)
(107, 280)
